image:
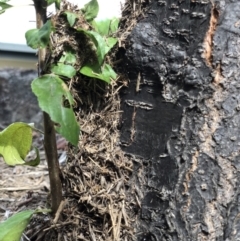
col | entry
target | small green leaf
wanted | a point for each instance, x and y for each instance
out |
(15, 143)
(4, 6)
(13, 227)
(35, 162)
(39, 38)
(110, 42)
(57, 3)
(68, 57)
(114, 25)
(106, 73)
(49, 2)
(90, 10)
(102, 26)
(63, 70)
(103, 46)
(32, 37)
(99, 43)
(51, 91)
(71, 17)
(106, 27)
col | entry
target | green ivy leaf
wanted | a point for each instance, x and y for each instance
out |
(4, 6)
(105, 73)
(35, 162)
(15, 143)
(106, 27)
(57, 3)
(55, 99)
(99, 43)
(49, 2)
(63, 70)
(90, 10)
(13, 227)
(68, 57)
(114, 25)
(102, 45)
(39, 38)
(71, 17)
(110, 42)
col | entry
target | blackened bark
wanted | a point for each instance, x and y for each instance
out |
(181, 119)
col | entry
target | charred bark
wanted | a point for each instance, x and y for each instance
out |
(180, 122)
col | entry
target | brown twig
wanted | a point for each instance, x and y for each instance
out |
(24, 202)
(60, 208)
(49, 131)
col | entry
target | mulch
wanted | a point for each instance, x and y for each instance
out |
(26, 187)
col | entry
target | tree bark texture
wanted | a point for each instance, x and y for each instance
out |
(181, 119)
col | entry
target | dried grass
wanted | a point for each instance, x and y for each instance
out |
(100, 198)
(132, 12)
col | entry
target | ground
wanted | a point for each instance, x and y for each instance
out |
(25, 187)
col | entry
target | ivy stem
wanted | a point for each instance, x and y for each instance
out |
(49, 131)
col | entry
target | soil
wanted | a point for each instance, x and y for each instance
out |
(25, 187)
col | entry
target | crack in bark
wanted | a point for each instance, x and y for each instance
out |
(212, 216)
(190, 172)
(208, 41)
(133, 128)
(213, 116)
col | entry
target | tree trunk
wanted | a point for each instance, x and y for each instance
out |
(180, 122)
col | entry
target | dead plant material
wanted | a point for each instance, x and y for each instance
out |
(101, 196)
(99, 199)
(58, 213)
(132, 12)
(97, 172)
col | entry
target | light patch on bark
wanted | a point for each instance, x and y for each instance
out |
(190, 172)
(213, 117)
(208, 40)
(133, 130)
(214, 222)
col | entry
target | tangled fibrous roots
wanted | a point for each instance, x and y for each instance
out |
(66, 38)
